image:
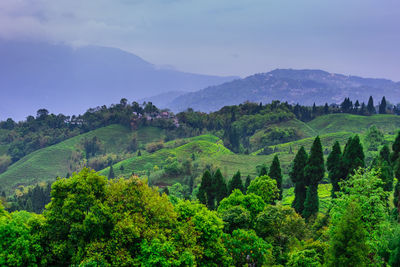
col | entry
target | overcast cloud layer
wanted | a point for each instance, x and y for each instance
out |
(225, 37)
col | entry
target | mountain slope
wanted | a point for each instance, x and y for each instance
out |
(295, 86)
(68, 80)
(57, 160)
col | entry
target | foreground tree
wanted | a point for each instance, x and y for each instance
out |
(298, 178)
(265, 187)
(275, 173)
(219, 186)
(348, 239)
(314, 172)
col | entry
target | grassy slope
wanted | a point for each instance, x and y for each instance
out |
(332, 123)
(47, 163)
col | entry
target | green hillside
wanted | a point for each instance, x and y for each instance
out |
(58, 160)
(354, 123)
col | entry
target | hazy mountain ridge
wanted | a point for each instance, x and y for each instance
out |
(68, 80)
(295, 86)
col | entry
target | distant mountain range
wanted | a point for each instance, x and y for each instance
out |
(295, 86)
(68, 80)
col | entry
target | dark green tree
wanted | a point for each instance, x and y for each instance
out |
(219, 185)
(334, 166)
(298, 178)
(263, 171)
(275, 172)
(111, 174)
(206, 191)
(314, 172)
(396, 149)
(370, 106)
(247, 183)
(382, 106)
(236, 183)
(353, 156)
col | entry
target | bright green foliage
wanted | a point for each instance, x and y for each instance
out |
(365, 188)
(113, 223)
(280, 225)
(311, 204)
(373, 138)
(246, 248)
(220, 187)
(275, 173)
(265, 187)
(334, 166)
(298, 178)
(18, 246)
(348, 243)
(353, 156)
(240, 210)
(206, 191)
(236, 183)
(304, 258)
(177, 191)
(247, 183)
(209, 233)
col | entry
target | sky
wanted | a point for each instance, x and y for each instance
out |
(223, 37)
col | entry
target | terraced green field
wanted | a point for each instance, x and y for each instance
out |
(208, 150)
(332, 123)
(48, 163)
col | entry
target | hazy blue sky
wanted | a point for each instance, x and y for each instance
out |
(225, 37)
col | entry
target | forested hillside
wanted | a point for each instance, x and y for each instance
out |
(268, 185)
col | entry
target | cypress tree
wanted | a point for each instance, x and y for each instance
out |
(311, 204)
(384, 154)
(111, 174)
(326, 108)
(263, 171)
(370, 106)
(236, 183)
(275, 172)
(247, 183)
(396, 149)
(382, 106)
(353, 156)
(314, 172)
(206, 194)
(220, 188)
(298, 178)
(139, 153)
(334, 166)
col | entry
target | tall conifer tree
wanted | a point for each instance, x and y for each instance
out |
(236, 183)
(220, 188)
(353, 156)
(314, 172)
(298, 178)
(382, 106)
(370, 106)
(275, 172)
(206, 191)
(334, 166)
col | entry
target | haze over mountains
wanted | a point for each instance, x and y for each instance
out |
(295, 86)
(68, 80)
